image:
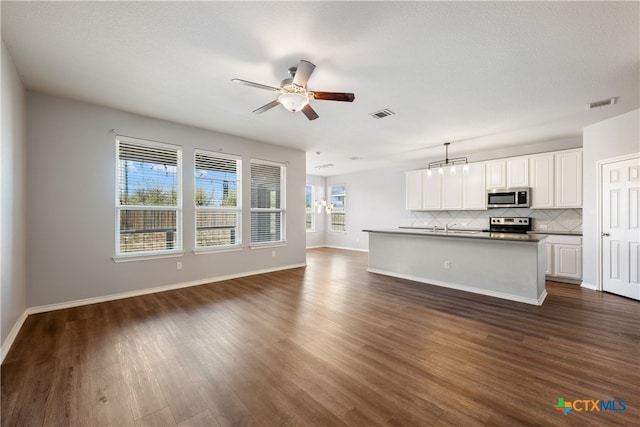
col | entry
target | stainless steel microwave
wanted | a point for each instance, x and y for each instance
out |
(509, 198)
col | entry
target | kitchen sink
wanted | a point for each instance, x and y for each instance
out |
(452, 231)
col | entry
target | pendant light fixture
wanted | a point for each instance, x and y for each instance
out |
(441, 164)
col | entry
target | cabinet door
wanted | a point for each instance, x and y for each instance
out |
(452, 189)
(548, 259)
(474, 196)
(568, 179)
(518, 172)
(413, 188)
(541, 175)
(431, 200)
(496, 174)
(567, 261)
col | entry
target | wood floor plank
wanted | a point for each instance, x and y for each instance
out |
(326, 345)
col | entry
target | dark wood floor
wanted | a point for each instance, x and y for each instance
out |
(326, 345)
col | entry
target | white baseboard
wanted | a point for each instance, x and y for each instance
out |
(112, 297)
(346, 248)
(8, 342)
(589, 286)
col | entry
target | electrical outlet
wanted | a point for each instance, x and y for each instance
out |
(447, 265)
(179, 265)
(273, 253)
(542, 226)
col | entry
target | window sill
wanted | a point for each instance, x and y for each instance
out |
(134, 257)
(205, 251)
(268, 245)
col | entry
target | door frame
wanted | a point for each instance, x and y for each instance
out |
(600, 164)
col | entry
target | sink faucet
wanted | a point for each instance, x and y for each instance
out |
(447, 226)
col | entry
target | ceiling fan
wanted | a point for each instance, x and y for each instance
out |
(294, 95)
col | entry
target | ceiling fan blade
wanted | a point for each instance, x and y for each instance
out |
(334, 96)
(257, 85)
(305, 68)
(266, 107)
(309, 112)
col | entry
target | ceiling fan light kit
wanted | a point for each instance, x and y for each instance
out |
(293, 101)
(294, 94)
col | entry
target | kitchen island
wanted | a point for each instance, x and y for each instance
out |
(502, 265)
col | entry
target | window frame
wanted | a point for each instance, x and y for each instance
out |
(309, 210)
(177, 249)
(336, 210)
(237, 209)
(281, 210)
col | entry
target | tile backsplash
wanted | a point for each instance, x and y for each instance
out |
(559, 220)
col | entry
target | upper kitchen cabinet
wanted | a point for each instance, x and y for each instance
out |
(413, 188)
(474, 195)
(451, 189)
(496, 174)
(518, 172)
(568, 179)
(541, 175)
(431, 191)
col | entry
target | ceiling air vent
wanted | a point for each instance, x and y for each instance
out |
(382, 114)
(603, 103)
(327, 165)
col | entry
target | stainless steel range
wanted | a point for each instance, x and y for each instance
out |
(509, 225)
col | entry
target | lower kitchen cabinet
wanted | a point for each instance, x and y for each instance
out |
(564, 258)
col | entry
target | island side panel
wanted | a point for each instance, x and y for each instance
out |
(505, 269)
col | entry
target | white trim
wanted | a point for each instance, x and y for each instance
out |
(8, 342)
(589, 286)
(266, 245)
(113, 297)
(346, 248)
(139, 257)
(465, 288)
(599, 285)
(213, 250)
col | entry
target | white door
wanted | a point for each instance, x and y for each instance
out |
(621, 228)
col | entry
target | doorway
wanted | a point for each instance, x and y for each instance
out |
(620, 225)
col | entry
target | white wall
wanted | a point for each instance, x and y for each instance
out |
(374, 199)
(71, 193)
(13, 182)
(605, 140)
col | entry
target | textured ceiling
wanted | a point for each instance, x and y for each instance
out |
(484, 75)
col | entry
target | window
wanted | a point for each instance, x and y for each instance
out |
(148, 197)
(338, 211)
(310, 218)
(217, 200)
(267, 202)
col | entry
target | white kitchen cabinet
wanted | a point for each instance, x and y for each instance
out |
(431, 189)
(564, 258)
(567, 261)
(413, 188)
(496, 174)
(474, 195)
(541, 173)
(451, 189)
(517, 172)
(548, 260)
(568, 179)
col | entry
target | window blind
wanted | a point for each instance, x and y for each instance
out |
(217, 199)
(267, 202)
(148, 197)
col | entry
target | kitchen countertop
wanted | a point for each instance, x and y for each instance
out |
(474, 230)
(458, 233)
